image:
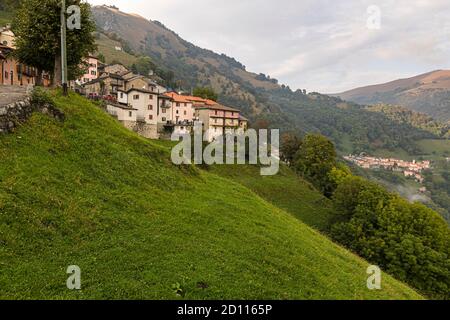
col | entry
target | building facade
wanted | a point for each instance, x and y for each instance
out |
(218, 120)
(13, 72)
(92, 70)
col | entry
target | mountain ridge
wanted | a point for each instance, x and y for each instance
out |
(427, 93)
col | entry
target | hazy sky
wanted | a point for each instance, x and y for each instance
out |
(318, 45)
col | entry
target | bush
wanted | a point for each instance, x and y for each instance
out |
(41, 97)
(409, 241)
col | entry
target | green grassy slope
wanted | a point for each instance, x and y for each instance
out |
(88, 192)
(285, 190)
(107, 46)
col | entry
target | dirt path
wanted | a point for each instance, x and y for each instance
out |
(10, 94)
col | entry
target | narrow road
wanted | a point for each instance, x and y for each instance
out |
(10, 94)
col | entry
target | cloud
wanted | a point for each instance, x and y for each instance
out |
(320, 45)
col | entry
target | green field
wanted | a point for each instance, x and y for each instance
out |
(88, 192)
(285, 190)
(107, 46)
(430, 149)
(435, 148)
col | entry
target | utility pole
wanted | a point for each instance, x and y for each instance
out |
(63, 48)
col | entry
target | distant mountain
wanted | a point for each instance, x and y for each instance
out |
(427, 93)
(261, 98)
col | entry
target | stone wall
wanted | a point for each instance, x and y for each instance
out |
(15, 113)
(145, 130)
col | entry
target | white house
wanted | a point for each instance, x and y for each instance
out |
(144, 101)
(122, 112)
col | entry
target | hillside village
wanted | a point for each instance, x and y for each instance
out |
(71, 174)
(138, 102)
(411, 169)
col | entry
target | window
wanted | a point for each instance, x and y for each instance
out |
(164, 119)
(121, 95)
(136, 97)
(178, 112)
(164, 110)
(150, 107)
(151, 97)
(185, 113)
(215, 112)
(130, 114)
(178, 104)
(150, 117)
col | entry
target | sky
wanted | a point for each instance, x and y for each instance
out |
(327, 46)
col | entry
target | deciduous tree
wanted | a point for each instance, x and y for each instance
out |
(37, 29)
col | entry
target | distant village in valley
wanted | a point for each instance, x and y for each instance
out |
(410, 169)
(139, 102)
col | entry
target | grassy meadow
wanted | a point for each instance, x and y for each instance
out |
(88, 192)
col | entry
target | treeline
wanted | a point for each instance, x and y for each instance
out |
(439, 188)
(352, 128)
(407, 240)
(418, 120)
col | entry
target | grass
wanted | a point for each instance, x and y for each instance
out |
(107, 46)
(5, 18)
(284, 190)
(435, 147)
(88, 192)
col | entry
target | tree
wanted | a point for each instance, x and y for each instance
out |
(261, 124)
(101, 58)
(206, 93)
(409, 241)
(143, 66)
(9, 4)
(315, 160)
(37, 29)
(290, 144)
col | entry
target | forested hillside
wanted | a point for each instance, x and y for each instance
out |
(418, 120)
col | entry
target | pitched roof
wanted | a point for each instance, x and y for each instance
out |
(190, 99)
(177, 97)
(201, 100)
(138, 90)
(217, 107)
